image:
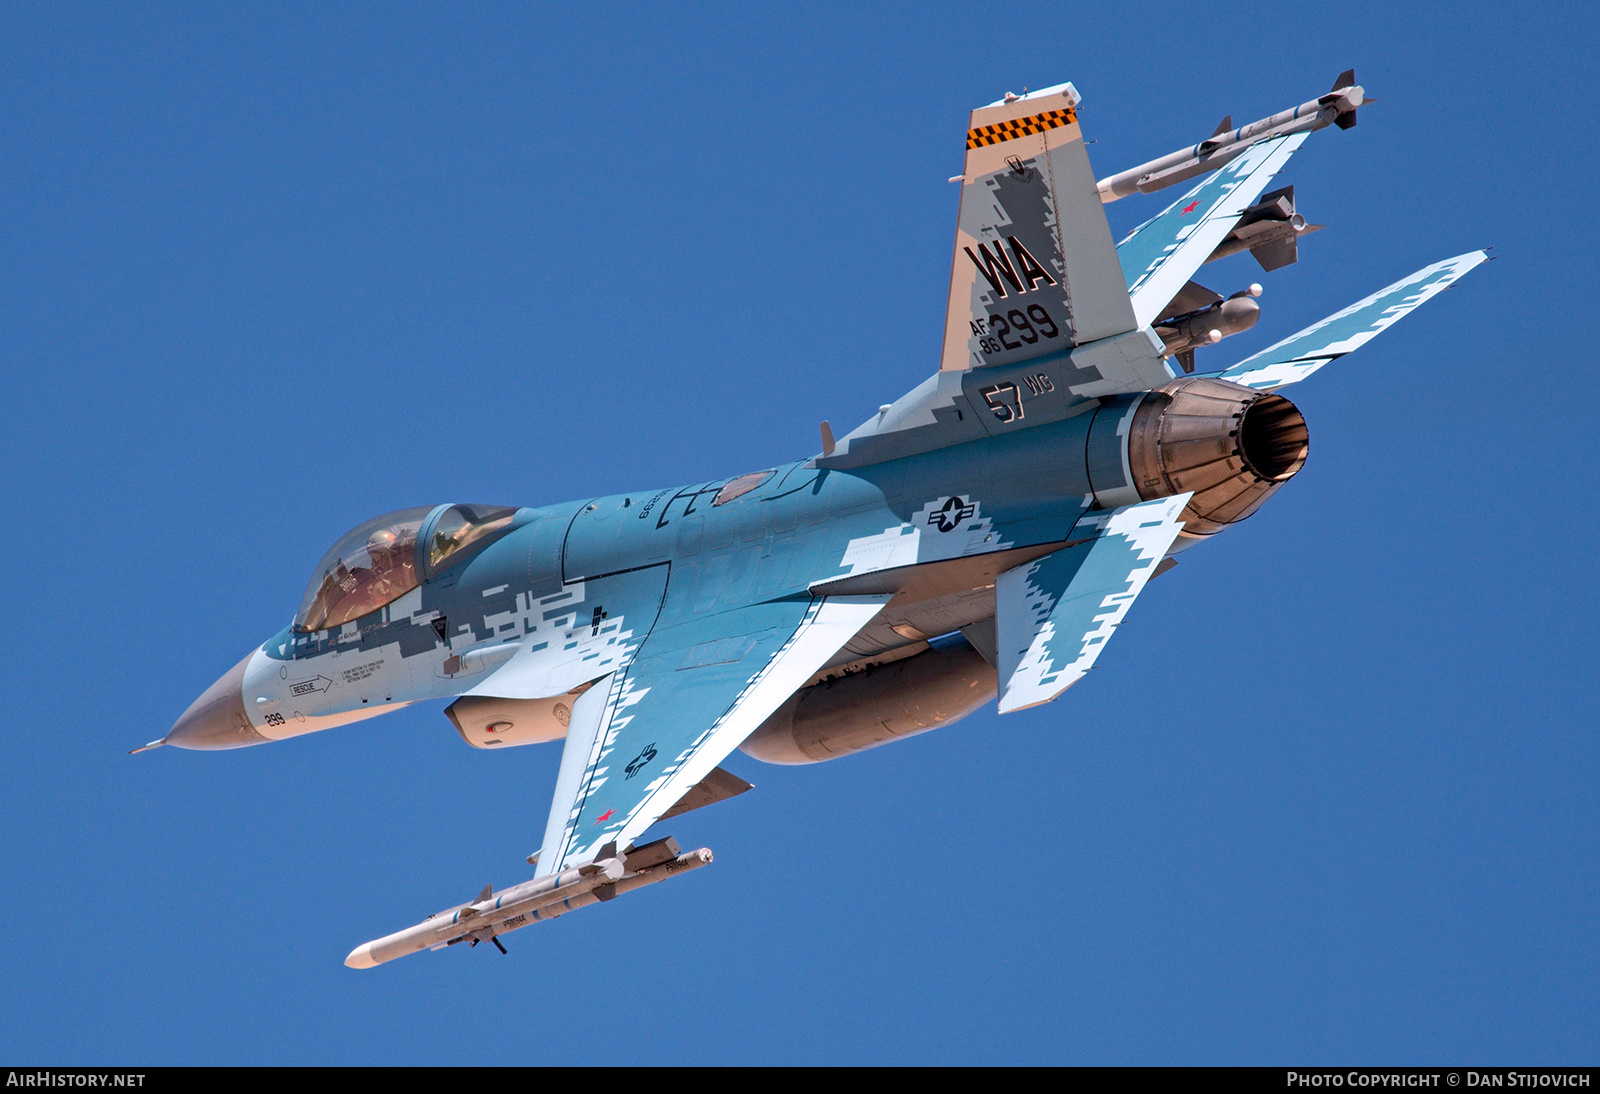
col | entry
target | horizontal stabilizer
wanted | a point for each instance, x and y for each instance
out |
(1299, 355)
(1054, 615)
(1160, 255)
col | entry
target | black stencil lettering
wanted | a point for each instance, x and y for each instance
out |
(1029, 265)
(995, 266)
(1001, 328)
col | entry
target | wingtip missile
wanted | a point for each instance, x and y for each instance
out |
(1337, 107)
(148, 747)
(491, 914)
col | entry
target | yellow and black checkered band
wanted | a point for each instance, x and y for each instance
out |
(1021, 127)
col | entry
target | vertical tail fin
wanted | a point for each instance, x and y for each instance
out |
(1035, 270)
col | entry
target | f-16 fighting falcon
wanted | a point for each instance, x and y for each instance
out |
(979, 538)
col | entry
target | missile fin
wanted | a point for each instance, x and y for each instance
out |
(1192, 297)
(1213, 142)
(1346, 121)
(1278, 205)
(1277, 253)
(1347, 78)
(488, 891)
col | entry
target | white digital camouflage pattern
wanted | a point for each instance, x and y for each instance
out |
(1299, 355)
(561, 649)
(677, 719)
(1056, 613)
(1160, 255)
(947, 527)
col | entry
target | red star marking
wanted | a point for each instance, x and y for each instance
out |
(1189, 208)
(604, 816)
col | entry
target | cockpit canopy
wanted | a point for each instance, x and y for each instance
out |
(463, 526)
(381, 560)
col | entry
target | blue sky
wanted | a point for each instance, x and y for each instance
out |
(268, 271)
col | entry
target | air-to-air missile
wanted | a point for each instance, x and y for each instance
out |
(493, 914)
(1337, 107)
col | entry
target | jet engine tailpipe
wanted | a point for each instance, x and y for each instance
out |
(1232, 446)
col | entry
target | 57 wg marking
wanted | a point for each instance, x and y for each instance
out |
(1006, 399)
(1001, 410)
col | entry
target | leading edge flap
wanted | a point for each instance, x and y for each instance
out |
(1035, 270)
(1055, 614)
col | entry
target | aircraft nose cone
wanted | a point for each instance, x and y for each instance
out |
(217, 719)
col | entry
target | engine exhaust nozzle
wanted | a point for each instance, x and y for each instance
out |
(1232, 446)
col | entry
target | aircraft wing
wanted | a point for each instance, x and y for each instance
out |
(1160, 255)
(648, 732)
(1299, 355)
(1055, 614)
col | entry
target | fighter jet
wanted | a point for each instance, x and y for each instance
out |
(980, 538)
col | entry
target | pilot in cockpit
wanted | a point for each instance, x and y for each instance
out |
(376, 563)
(391, 573)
